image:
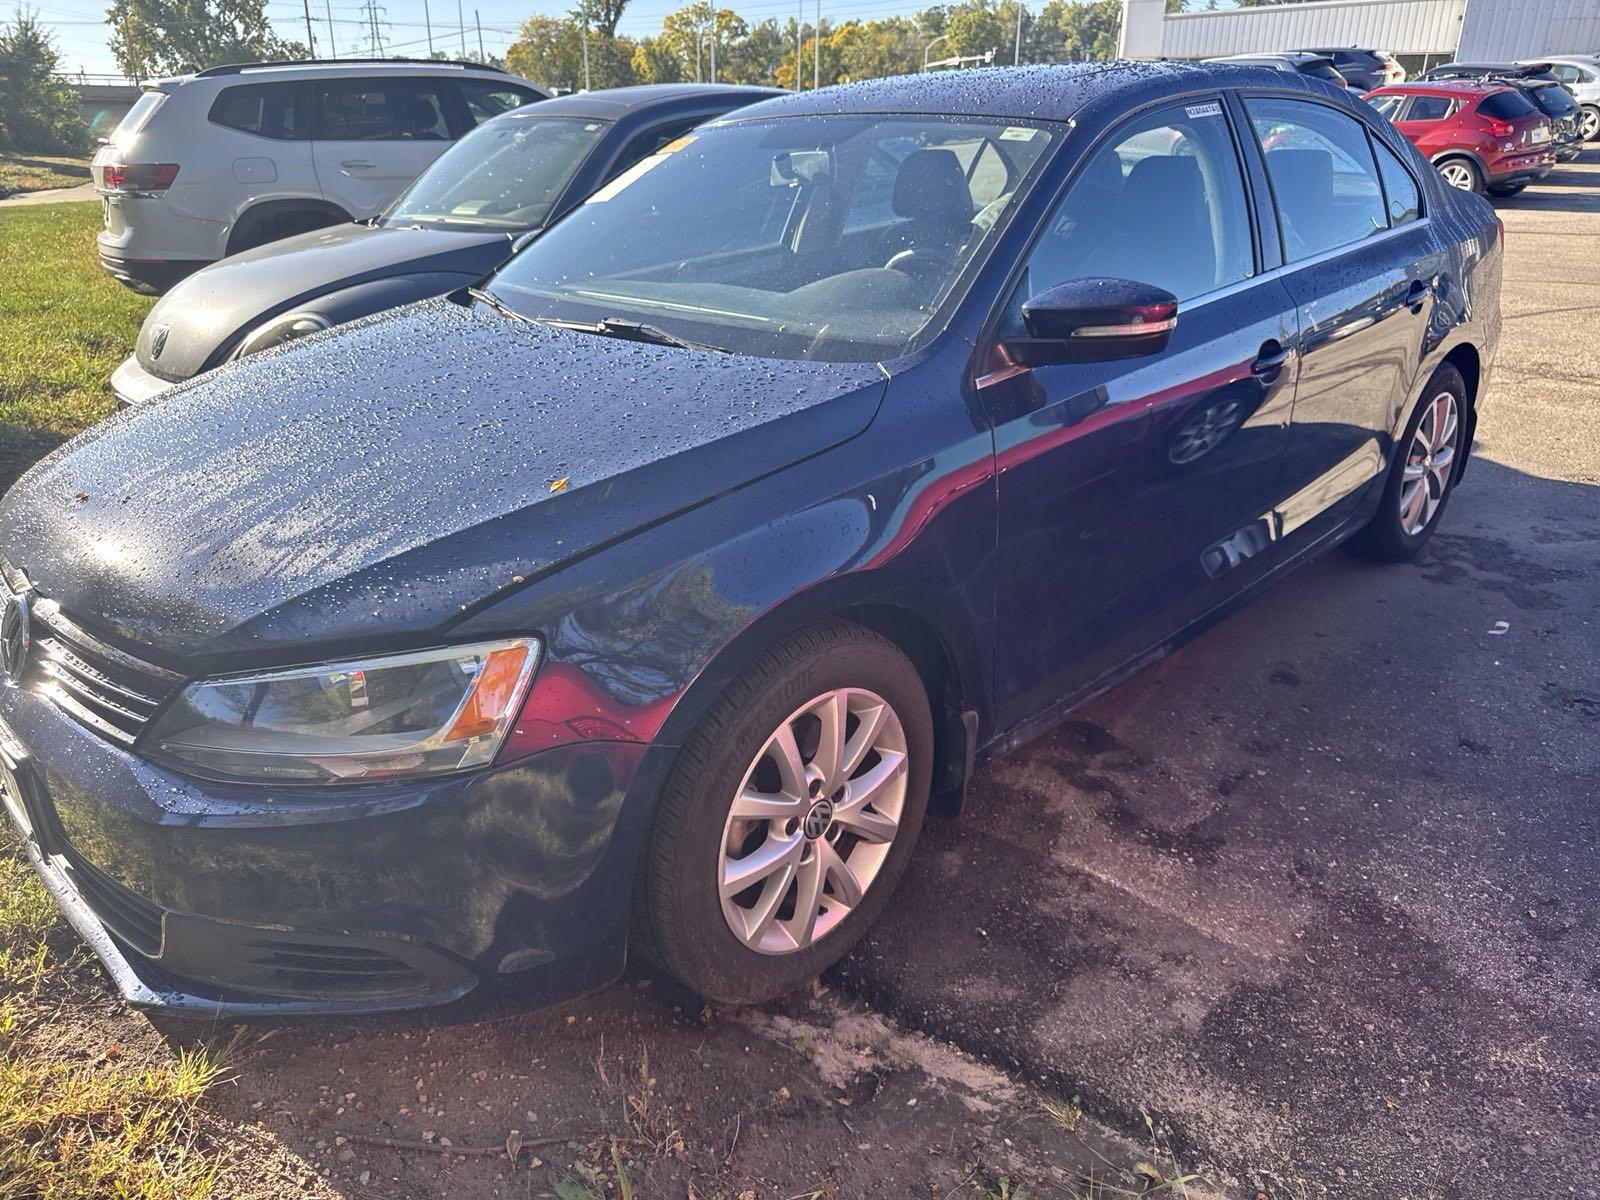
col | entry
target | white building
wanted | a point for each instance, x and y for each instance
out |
(1474, 30)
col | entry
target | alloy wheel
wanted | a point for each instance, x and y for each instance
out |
(1430, 460)
(813, 821)
(1591, 124)
(1459, 175)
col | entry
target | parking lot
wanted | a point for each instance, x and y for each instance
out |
(1314, 897)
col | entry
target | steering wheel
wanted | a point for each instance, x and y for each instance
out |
(919, 262)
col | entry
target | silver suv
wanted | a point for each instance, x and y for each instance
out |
(207, 165)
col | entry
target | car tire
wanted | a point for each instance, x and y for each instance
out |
(1394, 534)
(1461, 173)
(1591, 123)
(262, 228)
(700, 848)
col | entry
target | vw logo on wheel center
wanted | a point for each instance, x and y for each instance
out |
(15, 634)
(818, 819)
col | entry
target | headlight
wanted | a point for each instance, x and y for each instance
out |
(280, 330)
(403, 714)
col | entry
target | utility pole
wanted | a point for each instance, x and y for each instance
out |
(586, 55)
(427, 19)
(462, 22)
(333, 46)
(816, 67)
(311, 38)
(713, 42)
(1016, 59)
(799, 26)
(478, 21)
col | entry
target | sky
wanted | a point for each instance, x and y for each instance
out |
(80, 29)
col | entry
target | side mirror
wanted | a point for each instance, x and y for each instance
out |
(1094, 320)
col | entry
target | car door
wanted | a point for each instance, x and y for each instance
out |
(1132, 492)
(1426, 122)
(374, 135)
(1363, 275)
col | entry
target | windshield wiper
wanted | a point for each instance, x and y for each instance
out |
(499, 305)
(632, 331)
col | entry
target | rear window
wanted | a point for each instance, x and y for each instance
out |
(485, 100)
(272, 110)
(146, 104)
(1323, 70)
(1505, 106)
(1555, 101)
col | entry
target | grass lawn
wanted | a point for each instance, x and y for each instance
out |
(34, 173)
(64, 327)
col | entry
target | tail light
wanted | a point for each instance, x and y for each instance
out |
(140, 177)
(1500, 129)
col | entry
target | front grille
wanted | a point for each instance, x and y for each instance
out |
(110, 691)
(130, 917)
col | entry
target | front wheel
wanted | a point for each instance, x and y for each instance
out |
(789, 816)
(1423, 472)
(1591, 124)
(1462, 173)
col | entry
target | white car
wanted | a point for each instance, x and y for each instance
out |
(207, 165)
(1581, 75)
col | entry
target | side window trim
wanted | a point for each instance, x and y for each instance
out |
(1376, 144)
(988, 336)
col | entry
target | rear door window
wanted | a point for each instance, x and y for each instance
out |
(1399, 188)
(1324, 178)
(1389, 106)
(381, 110)
(272, 110)
(1430, 108)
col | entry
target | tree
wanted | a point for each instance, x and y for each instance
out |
(1079, 32)
(549, 50)
(871, 49)
(600, 15)
(655, 62)
(169, 37)
(38, 112)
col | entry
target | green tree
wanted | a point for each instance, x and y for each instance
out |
(655, 62)
(169, 37)
(1073, 31)
(38, 112)
(871, 49)
(601, 15)
(549, 50)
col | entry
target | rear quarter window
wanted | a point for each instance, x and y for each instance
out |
(143, 108)
(1505, 106)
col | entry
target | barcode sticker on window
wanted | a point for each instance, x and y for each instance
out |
(1204, 110)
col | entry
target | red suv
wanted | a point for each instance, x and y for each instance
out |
(1479, 135)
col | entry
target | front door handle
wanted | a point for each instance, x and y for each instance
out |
(1417, 293)
(1269, 361)
(355, 164)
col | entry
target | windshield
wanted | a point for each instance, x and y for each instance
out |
(841, 238)
(506, 174)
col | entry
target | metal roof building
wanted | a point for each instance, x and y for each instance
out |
(1467, 29)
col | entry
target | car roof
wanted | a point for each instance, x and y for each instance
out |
(1585, 60)
(355, 67)
(1338, 50)
(1299, 57)
(612, 104)
(1047, 92)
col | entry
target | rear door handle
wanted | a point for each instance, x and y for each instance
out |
(1269, 362)
(355, 163)
(1417, 293)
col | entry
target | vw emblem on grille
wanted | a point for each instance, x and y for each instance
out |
(818, 819)
(15, 634)
(158, 340)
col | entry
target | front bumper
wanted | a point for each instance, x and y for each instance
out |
(131, 384)
(221, 900)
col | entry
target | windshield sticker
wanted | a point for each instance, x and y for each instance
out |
(1018, 133)
(1204, 110)
(629, 176)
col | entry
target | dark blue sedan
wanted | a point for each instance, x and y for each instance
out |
(646, 599)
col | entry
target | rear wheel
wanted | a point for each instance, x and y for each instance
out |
(260, 228)
(1591, 124)
(789, 816)
(1462, 173)
(1422, 474)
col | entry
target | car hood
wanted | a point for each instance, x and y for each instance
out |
(211, 308)
(373, 483)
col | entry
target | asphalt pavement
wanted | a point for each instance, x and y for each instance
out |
(1319, 892)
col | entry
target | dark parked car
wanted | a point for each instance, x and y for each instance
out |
(460, 219)
(1363, 69)
(645, 600)
(1490, 70)
(1480, 136)
(1565, 113)
(1294, 62)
